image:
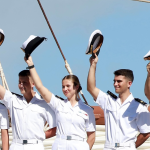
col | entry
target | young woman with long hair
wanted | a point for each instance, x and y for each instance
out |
(75, 120)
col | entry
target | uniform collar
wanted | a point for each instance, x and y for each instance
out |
(128, 100)
(36, 96)
(80, 102)
(77, 104)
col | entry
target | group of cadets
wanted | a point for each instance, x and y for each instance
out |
(71, 120)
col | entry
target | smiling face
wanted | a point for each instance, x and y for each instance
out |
(69, 89)
(121, 84)
(25, 85)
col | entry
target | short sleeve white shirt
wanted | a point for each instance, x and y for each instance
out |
(28, 119)
(123, 121)
(70, 120)
(4, 121)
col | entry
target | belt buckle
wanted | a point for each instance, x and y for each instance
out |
(68, 137)
(117, 144)
(25, 141)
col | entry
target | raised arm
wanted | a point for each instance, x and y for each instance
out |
(2, 92)
(147, 83)
(91, 81)
(45, 93)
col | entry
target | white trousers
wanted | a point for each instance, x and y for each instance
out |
(61, 144)
(17, 146)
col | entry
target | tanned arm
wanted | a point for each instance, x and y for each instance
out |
(147, 83)
(2, 92)
(90, 139)
(142, 137)
(5, 139)
(91, 81)
(45, 93)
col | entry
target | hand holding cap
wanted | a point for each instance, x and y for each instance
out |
(93, 60)
(31, 43)
(95, 43)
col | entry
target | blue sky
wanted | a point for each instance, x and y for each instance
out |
(124, 24)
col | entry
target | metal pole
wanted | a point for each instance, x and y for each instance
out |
(66, 63)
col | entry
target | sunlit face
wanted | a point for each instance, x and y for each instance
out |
(68, 88)
(121, 84)
(25, 84)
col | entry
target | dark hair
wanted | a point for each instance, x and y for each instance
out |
(24, 73)
(75, 81)
(125, 72)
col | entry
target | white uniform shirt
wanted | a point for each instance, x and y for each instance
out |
(28, 119)
(4, 121)
(122, 122)
(70, 120)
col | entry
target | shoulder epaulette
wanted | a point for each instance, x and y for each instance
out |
(17, 94)
(88, 105)
(112, 95)
(2, 103)
(59, 97)
(140, 101)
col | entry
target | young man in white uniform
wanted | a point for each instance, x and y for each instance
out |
(29, 113)
(4, 126)
(124, 116)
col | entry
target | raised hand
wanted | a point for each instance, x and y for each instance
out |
(29, 61)
(93, 61)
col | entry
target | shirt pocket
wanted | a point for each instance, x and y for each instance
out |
(110, 109)
(63, 115)
(17, 106)
(81, 118)
(37, 113)
(17, 114)
(83, 115)
(131, 117)
(37, 109)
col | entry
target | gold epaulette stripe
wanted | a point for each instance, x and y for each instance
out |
(140, 101)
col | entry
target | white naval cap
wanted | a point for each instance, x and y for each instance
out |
(31, 43)
(2, 36)
(95, 43)
(147, 56)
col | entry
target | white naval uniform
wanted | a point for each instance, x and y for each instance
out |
(28, 120)
(72, 121)
(4, 121)
(123, 121)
